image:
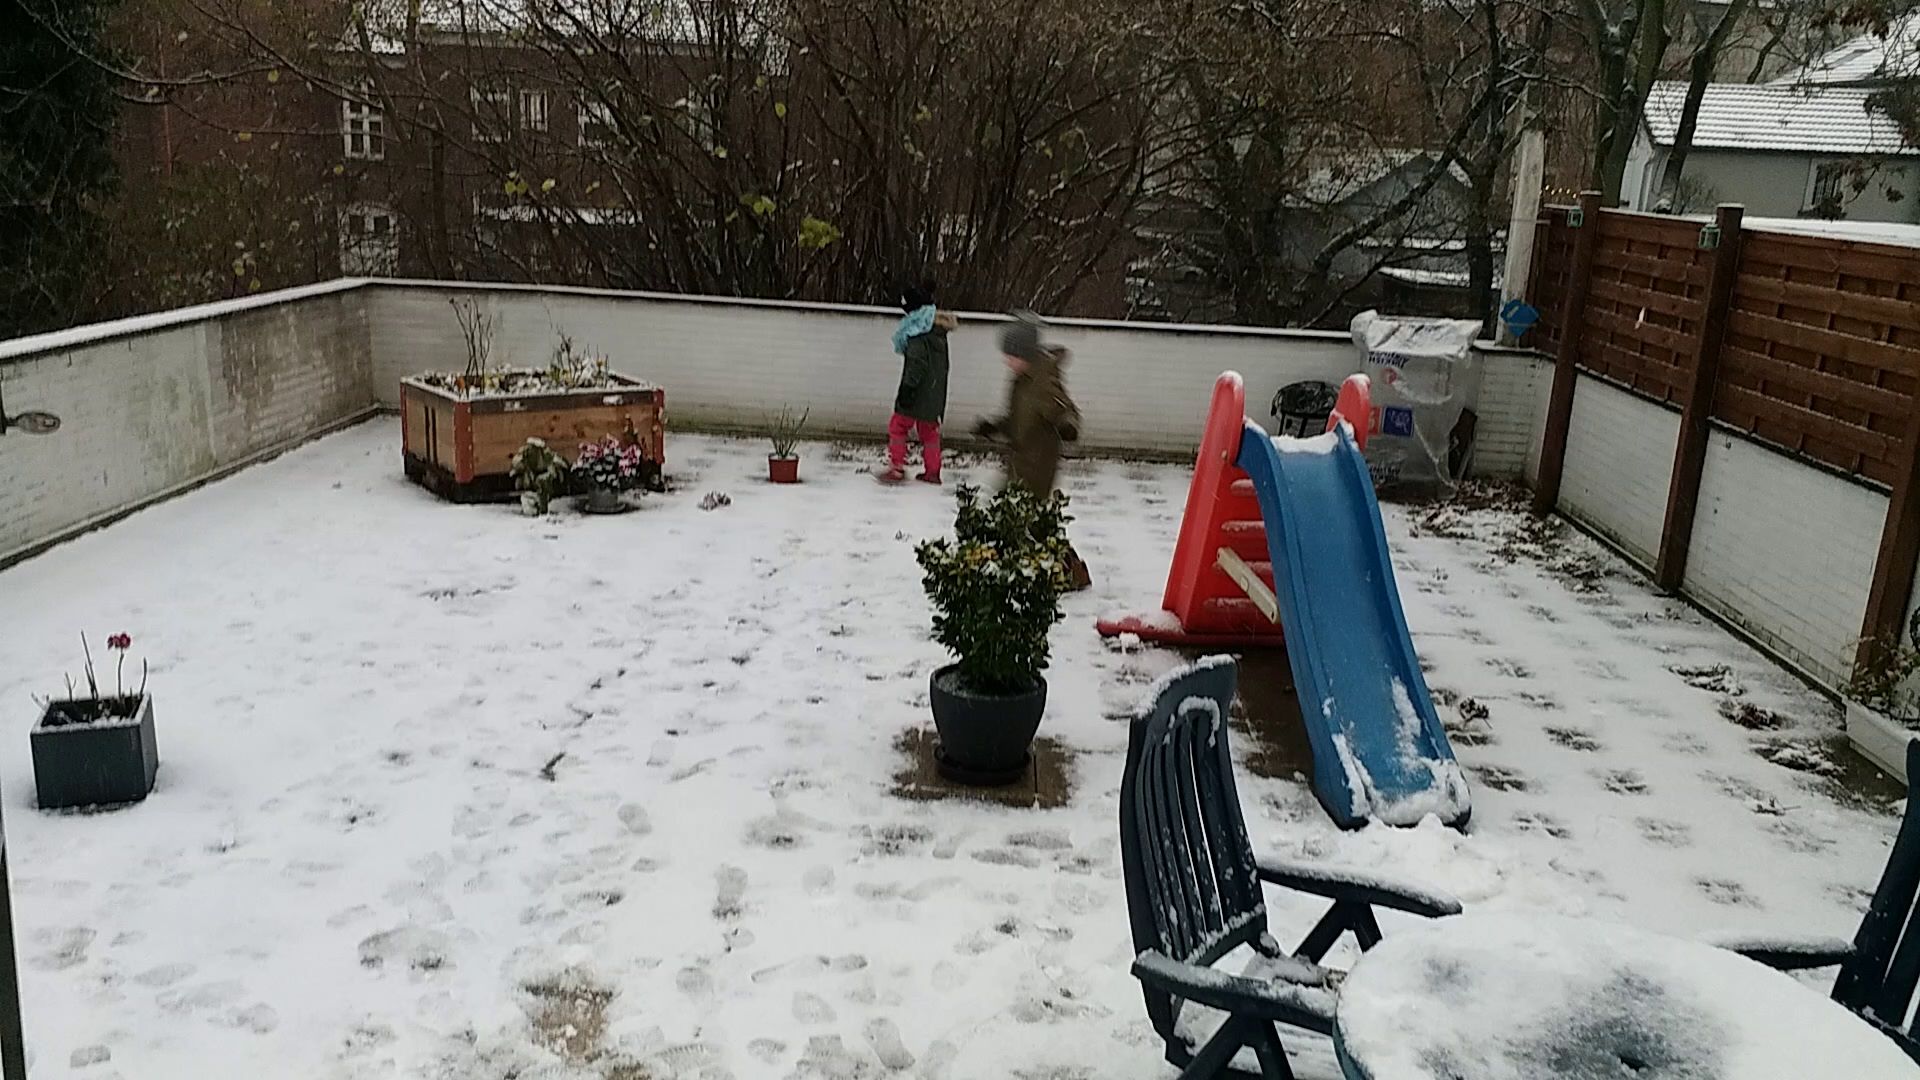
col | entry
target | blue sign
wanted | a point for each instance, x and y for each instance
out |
(1396, 421)
(1519, 316)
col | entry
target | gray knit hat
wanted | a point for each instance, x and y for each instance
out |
(1021, 338)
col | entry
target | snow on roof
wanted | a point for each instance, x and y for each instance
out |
(647, 19)
(1336, 176)
(1821, 120)
(1868, 58)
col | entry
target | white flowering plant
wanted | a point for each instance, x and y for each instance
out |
(612, 464)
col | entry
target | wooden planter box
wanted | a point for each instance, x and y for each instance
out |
(462, 448)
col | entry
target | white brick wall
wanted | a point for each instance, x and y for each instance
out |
(1512, 413)
(1785, 551)
(1618, 467)
(157, 402)
(166, 401)
(733, 363)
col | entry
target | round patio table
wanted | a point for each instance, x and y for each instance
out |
(1524, 997)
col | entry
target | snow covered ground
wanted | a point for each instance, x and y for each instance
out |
(449, 792)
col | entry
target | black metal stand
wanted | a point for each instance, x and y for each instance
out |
(13, 1046)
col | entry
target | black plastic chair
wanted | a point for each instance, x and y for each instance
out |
(1194, 889)
(1879, 969)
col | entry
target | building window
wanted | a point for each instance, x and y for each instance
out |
(1827, 194)
(533, 110)
(596, 124)
(369, 240)
(363, 131)
(492, 110)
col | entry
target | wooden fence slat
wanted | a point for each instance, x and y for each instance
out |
(1874, 354)
(1660, 381)
(1616, 291)
(1732, 401)
(1674, 342)
(1831, 255)
(1665, 271)
(1845, 391)
(1852, 305)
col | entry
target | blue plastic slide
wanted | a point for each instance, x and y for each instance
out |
(1379, 751)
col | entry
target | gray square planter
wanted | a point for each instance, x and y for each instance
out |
(106, 762)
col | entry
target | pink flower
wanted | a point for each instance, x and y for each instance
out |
(122, 642)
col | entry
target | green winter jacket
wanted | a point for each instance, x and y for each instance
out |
(923, 378)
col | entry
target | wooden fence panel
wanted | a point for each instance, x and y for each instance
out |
(1823, 349)
(1646, 302)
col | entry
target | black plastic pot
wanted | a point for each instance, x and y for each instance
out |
(104, 762)
(985, 739)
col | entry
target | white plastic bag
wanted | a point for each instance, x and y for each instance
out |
(1425, 374)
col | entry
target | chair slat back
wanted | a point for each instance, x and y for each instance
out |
(1192, 893)
(1881, 976)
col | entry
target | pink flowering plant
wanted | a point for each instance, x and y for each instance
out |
(611, 464)
(78, 709)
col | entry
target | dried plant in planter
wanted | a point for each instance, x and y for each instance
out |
(92, 708)
(785, 428)
(476, 329)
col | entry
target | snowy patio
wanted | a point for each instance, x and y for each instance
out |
(450, 792)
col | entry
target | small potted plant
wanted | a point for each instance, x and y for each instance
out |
(96, 750)
(609, 469)
(783, 465)
(995, 588)
(1883, 703)
(540, 475)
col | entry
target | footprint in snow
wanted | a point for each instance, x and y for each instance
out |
(634, 818)
(812, 1008)
(1574, 739)
(165, 975)
(417, 948)
(730, 892)
(884, 1036)
(1664, 832)
(66, 948)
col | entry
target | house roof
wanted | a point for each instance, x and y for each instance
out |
(1867, 59)
(1804, 119)
(1334, 176)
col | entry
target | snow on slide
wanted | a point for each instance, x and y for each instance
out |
(1379, 751)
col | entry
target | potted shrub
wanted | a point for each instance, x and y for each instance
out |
(608, 469)
(540, 475)
(995, 588)
(1883, 705)
(96, 750)
(783, 465)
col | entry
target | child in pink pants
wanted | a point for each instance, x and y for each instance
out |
(921, 402)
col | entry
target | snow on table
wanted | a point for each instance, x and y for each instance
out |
(1524, 997)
